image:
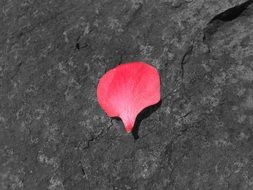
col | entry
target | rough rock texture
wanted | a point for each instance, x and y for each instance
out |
(54, 135)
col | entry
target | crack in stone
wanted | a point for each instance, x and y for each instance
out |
(184, 59)
(17, 69)
(233, 13)
(100, 134)
(133, 16)
(226, 16)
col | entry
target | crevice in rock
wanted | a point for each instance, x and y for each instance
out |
(185, 58)
(226, 16)
(233, 12)
(133, 17)
(78, 45)
(17, 69)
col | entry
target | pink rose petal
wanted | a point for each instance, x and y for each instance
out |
(127, 89)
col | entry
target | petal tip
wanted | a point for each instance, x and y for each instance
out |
(129, 130)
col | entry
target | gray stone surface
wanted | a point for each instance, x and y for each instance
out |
(53, 134)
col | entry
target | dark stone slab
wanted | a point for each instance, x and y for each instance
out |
(54, 135)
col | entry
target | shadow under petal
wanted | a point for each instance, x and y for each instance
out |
(140, 117)
(143, 115)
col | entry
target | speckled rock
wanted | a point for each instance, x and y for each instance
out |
(54, 135)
